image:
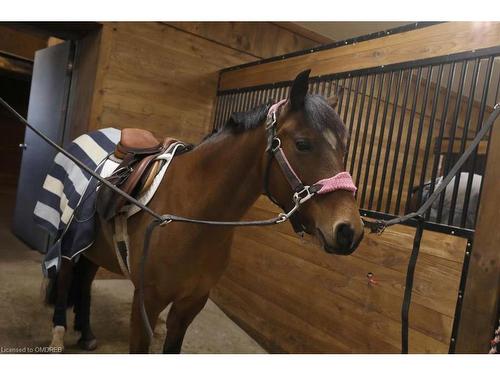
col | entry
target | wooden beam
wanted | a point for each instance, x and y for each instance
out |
(306, 33)
(20, 43)
(483, 145)
(437, 40)
(482, 291)
(15, 67)
(257, 39)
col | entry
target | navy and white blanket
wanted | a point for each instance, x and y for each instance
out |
(67, 187)
(66, 206)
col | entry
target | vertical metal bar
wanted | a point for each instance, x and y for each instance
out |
(258, 98)
(227, 109)
(287, 91)
(441, 133)
(482, 109)
(348, 99)
(435, 101)
(218, 113)
(380, 140)
(372, 138)
(408, 138)
(351, 122)
(328, 93)
(246, 101)
(465, 136)
(365, 132)
(399, 135)
(354, 155)
(271, 95)
(250, 100)
(316, 87)
(279, 95)
(239, 101)
(423, 110)
(389, 141)
(460, 296)
(451, 138)
(456, 184)
(498, 87)
(341, 101)
(322, 88)
(234, 103)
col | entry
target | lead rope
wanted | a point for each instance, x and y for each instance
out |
(380, 225)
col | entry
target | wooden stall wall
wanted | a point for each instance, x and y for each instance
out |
(163, 76)
(293, 297)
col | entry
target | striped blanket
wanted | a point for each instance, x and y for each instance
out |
(67, 187)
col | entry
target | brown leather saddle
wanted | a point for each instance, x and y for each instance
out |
(137, 150)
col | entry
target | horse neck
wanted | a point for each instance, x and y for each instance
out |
(225, 174)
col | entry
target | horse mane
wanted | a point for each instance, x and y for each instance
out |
(317, 111)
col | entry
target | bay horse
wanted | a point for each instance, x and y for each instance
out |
(219, 180)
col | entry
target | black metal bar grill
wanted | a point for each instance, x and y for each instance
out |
(408, 123)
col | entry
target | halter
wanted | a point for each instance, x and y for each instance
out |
(301, 192)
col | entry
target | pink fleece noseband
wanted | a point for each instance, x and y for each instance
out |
(341, 181)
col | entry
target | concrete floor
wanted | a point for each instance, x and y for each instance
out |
(26, 322)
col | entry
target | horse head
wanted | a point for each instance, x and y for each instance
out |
(314, 140)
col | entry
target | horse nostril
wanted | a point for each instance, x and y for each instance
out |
(345, 236)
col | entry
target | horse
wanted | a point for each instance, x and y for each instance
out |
(460, 183)
(219, 180)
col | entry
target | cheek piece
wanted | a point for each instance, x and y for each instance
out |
(302, 192)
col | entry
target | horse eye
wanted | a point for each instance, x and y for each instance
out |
(303, 145)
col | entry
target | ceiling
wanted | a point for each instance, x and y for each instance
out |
(345, 30)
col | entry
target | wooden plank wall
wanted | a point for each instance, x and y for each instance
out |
(164, 77)
(293, 297)
(432, 41)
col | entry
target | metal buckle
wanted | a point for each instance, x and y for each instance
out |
(278, 144)
(303, 196)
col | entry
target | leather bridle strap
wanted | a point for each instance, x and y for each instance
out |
(301, 192)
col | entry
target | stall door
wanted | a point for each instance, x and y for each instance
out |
(47, 112)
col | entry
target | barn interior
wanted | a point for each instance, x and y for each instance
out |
(280, 293)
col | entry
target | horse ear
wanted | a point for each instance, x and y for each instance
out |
(299, 90)
(335, 99)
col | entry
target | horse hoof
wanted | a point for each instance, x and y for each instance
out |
(88, 345)
(57, 343)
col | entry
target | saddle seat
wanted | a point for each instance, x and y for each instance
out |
(138, 142)
(137, 149)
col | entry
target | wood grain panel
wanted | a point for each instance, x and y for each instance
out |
(20, 43)
(282, 279)
(431, 41)
(259, 39)
(156, 77)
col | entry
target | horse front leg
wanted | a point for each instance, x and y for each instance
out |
(85, 272)
(62, 285)
(139, 339)
(179, 318)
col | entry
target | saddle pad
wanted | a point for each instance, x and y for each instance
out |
(110, 166)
